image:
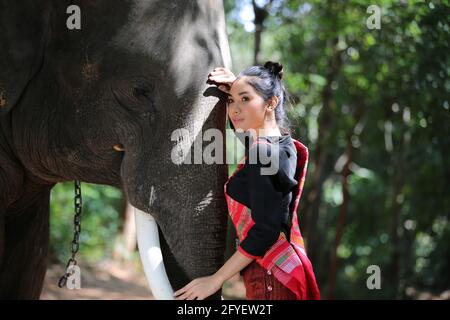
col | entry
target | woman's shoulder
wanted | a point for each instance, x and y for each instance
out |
(262, 152)
(277, 155)
(280, 146)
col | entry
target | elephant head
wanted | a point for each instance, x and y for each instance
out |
(102, 99)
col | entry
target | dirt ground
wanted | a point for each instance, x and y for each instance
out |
(114, 280)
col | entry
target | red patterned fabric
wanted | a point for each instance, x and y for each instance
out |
(286, 260)
(262, 285)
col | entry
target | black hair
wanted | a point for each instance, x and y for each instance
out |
(267, 81)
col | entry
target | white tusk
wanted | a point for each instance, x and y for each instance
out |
(151, 255)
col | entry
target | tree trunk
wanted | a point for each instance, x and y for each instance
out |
(126, 240)
(260, 15)
(341, 221)
(321, 157)
(343, 210)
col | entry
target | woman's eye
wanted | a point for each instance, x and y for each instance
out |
(230, 101)
(245, 99)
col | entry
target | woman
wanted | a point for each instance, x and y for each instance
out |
(270, 253)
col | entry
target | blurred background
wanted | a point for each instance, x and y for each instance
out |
(369, 96)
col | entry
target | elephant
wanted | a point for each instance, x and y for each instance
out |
(100, 103)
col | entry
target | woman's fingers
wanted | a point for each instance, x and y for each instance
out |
(226, 71)
(183, 293)
(221, 71)
(183, 296)
(185, 288)
(227, 80)
(223, 78)
(223, 85)
(190, 294)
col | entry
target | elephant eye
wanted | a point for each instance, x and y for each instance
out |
(136, 95)
(140, 92)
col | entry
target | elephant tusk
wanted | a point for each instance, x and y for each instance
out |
(119, 147)
(151, 255)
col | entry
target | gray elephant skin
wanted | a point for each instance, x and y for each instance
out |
(134, 73)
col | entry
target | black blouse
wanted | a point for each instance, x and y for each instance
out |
(268, 196)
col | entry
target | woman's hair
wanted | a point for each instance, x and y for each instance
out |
(267, 81)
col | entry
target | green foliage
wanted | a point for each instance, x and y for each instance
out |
(99, 222)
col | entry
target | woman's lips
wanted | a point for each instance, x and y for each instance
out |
(237, 120)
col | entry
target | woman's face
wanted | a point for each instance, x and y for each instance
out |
(246, 108)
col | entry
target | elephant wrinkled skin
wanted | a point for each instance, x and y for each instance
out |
(135, 72)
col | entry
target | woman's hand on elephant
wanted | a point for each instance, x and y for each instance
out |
(222, 77)
(199, 288)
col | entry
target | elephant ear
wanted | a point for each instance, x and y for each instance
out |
(22, 42)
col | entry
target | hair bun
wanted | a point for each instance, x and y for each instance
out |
(274, 68)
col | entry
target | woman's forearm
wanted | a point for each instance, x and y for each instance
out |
(236, 263)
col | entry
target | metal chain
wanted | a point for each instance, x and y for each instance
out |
(76, 234)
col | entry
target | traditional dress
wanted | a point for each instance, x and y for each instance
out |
(285, 262)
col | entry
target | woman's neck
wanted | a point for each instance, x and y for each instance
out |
(265, 132)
